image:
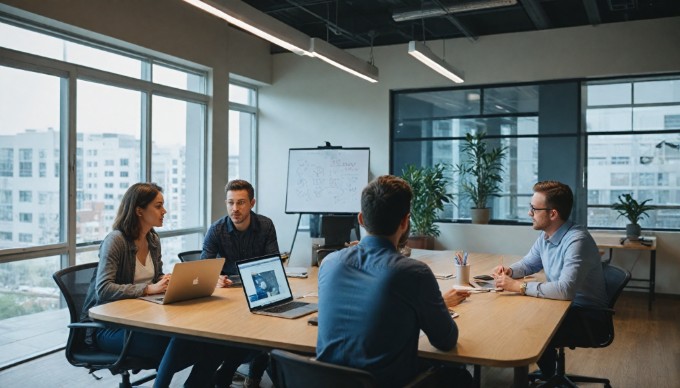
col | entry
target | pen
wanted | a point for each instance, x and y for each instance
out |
(465, 256)
(458, 258)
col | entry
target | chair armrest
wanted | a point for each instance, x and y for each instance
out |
(124, 352)
(86, 325)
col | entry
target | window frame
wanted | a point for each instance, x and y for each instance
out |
(579, 137)
(70, 73)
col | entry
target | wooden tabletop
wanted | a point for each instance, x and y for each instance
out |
(496, 329)
(613, 241)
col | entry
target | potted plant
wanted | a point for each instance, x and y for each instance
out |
(429, 196)
(634, 212)
(479, 174)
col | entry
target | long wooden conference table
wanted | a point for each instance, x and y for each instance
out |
(499, 329)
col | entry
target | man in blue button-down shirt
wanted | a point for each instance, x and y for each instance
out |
(373, 301)
(571, 261)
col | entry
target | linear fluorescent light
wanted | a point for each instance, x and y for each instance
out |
(257, 23)
(343, 60)
(426, 56)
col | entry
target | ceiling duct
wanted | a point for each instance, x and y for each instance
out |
(461, 6)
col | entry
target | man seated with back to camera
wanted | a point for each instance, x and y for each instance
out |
(573, 270)
(373, 301)
(241, 234)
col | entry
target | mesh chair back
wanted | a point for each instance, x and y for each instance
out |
(292, 370)
(74, 283)
(615, 279)
(189, 256)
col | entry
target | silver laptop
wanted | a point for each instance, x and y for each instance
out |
(190, 280)
(267, 290)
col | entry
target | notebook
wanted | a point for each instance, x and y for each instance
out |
(190, 280)
(267, 290)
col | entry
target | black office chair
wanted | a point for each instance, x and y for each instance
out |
(615, 280)
(189, 255)
(74, 283)
(292, 370)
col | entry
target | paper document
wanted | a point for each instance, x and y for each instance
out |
(444, 276)
(296, 272)
(473, 290)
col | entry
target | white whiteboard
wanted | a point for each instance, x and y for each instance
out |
(326, 180)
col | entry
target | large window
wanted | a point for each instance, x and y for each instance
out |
(135, 118)
(623, 134)
(30, 124)
(428, 127)
(242, 131)
(633, 128)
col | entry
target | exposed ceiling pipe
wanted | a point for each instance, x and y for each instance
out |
(457, 23)
(465, 6)
(330, 25)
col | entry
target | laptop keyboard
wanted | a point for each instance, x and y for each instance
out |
(284, 307)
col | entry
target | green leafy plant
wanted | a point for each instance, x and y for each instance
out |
(429, 196)
(630, 208)
(480, 171)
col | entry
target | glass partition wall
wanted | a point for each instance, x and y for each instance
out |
(602, 137)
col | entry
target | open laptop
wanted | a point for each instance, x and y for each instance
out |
(190, 280)
(267, 290)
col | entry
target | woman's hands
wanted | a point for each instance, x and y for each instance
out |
(158, 287)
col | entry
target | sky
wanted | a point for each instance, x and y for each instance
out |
(30, 100)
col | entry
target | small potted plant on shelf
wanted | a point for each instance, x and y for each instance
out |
(480, 174)
(634, 211)
(429, 196)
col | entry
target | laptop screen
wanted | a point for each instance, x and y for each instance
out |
(264, 281)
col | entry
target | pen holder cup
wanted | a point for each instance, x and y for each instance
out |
(462, 273)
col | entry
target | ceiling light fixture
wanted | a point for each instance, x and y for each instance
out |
(426, 56)
(343, 60)
(257, 23)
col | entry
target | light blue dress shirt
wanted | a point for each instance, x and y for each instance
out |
(572, 266)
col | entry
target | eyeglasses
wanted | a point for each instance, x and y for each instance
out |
(239, 203)
(533, 209)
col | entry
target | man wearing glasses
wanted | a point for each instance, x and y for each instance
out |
(573, 270)
(241, 234)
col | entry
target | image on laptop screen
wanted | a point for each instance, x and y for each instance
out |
(264, 281)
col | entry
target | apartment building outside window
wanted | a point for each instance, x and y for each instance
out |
(634, 124)
(136, 115)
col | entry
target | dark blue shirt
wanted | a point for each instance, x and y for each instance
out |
(373, 302)
(224, 240)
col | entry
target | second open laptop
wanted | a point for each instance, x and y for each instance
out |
(190, 280)
(267, 290)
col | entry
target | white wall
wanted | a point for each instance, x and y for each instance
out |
(310, 102)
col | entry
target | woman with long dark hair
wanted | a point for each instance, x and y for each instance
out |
(130, 266)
